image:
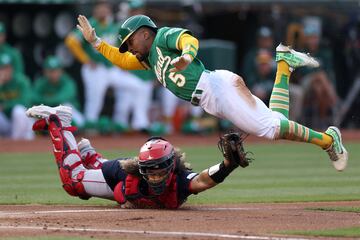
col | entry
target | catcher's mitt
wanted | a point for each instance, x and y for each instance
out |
(231, 146)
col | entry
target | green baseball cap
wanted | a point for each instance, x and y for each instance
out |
(52, 62)
(131, 25)
(2, 28)
(5, 59)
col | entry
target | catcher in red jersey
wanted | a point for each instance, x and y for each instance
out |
(157, 178)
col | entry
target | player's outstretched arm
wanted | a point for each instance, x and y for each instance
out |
(212, 176)
(125, 61)
(231, 146)
(88, 31)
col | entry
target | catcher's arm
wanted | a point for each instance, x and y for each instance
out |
(231, 146)
(204, 181)
(125, 61)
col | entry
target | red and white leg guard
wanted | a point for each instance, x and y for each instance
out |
(67, 159)
(93, 161)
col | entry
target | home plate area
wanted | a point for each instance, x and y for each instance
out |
(234, 221)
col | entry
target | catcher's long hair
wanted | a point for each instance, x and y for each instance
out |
(131, 165)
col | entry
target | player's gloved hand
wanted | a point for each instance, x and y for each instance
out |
(231, 146)
(180, 63)
(88, 31)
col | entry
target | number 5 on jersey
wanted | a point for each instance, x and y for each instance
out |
(178, 79)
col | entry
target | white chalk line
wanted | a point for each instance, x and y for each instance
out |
(63, 211)
(6, 213)
(145, 232)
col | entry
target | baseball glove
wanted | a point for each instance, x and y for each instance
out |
(231, 146)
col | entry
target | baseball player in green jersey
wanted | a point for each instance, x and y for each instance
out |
(16, 58)
(171, 54)
(15, 97)
(55, 87)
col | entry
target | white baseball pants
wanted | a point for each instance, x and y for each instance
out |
(225, 97)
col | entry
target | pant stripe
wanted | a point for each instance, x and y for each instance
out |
(279, 105)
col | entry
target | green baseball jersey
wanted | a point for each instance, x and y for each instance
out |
(106, 32)
(53, 94)
(163, 50)
(17, 91)
(16, 58)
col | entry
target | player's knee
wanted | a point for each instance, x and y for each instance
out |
(239, 79)
(273, 129)
(74, 187)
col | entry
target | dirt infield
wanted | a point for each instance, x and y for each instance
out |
(42, 144)
(240, 221)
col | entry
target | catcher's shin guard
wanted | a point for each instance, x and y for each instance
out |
(92, 161)
(62, 151)
(73, 188)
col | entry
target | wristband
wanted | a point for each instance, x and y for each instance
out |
(219, 172)
(96, 43)
(191, 54)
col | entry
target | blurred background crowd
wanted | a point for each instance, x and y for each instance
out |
(45, 60)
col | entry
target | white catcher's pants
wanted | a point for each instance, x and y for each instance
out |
(93, 181)
(223, 97)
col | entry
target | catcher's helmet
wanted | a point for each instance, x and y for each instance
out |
(156, 163)
(130, 26)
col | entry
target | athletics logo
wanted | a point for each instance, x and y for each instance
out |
(161, 66)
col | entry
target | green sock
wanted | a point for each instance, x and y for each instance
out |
(279, 99)
(293, 131)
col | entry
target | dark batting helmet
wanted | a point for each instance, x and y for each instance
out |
(157, 163)
(130, 26)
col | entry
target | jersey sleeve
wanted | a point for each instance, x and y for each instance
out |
(113, 173)
(126, 60)
(183, 181)
(171, 37)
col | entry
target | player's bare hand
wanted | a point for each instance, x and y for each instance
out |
(87, 30)
(180, 63)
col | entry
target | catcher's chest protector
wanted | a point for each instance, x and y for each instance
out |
(131, 192)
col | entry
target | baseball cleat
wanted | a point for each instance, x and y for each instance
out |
(337, 152)
(85, 148)
(43, 112)
(293, 58)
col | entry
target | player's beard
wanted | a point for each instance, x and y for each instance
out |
(141, 57)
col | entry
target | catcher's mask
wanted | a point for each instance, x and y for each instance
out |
(156, 163)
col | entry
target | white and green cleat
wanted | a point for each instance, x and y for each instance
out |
(293, 58)
(337, 152)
